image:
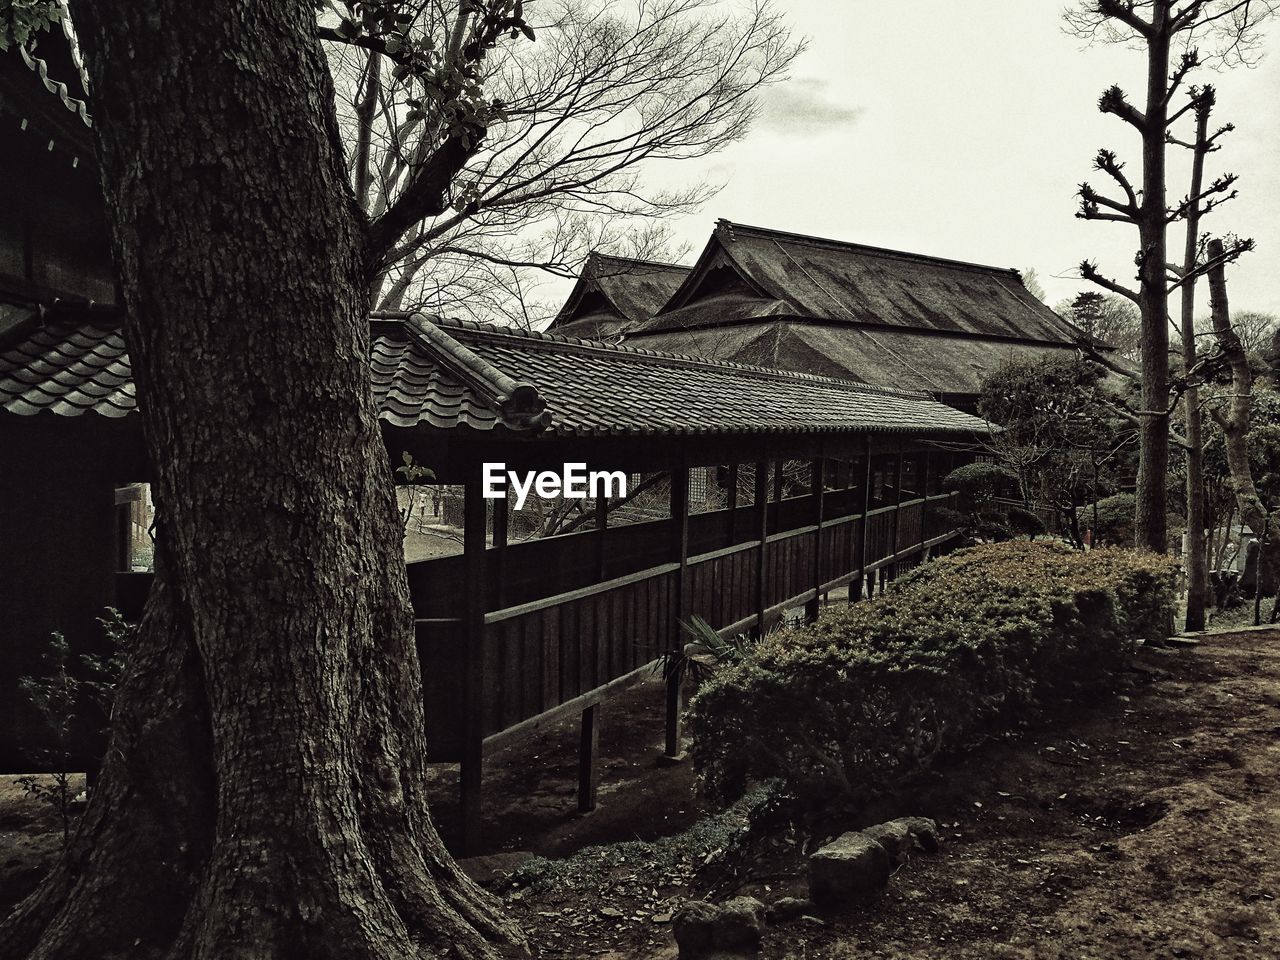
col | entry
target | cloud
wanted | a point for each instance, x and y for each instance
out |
(804, 106)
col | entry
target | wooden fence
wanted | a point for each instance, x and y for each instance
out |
(540, 655)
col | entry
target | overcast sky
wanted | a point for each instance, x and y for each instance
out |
(961, 129)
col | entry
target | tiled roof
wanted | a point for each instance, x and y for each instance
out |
(612, 293)
(454, 374)
(73, 96)
(836, 282)
(65, 369)
(584, 388)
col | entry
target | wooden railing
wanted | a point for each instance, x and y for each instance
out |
(542, 657)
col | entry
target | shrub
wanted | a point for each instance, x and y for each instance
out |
(1025, 523)
(979, 483)
(1115, 519)
(983, 638)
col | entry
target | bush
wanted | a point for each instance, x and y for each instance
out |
(1115, 519)
(983, 638)
(1025, 523)
(979, 483)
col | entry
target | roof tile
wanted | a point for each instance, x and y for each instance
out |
(588, 388)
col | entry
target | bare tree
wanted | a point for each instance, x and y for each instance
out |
(1255, 328)
(1177, 36)
(1234, 421)
(607, 91)
(1031, 280)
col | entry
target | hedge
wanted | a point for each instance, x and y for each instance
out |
(981, 639)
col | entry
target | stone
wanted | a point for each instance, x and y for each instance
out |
(734, 928)
(788, 908)
(924, 832)
(493, 867)
(895, 837)
(849, 869)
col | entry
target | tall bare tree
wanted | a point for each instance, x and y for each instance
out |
(607, 94)
(1234, 419)
(1177, 36)
(263, 793)
(1201, 145)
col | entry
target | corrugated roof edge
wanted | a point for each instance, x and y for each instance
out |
(677, 358)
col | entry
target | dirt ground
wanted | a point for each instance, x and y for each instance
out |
(1143, 827)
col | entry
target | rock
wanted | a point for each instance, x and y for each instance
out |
(851, 868)
(923, 831)
(788, 908)
(895, 837)
(733, 928)
(491, 868)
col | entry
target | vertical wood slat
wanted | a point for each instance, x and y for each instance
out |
(470, 779)
(680, 604)
(550, 659)
(817, 491)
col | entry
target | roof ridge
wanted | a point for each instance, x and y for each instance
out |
(647, 263)
(731, 227)
(518, 402)
(683, 359)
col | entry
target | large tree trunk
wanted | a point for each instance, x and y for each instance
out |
(1151, 524)
(1235, 423)
(1196, 558)
(263, 793)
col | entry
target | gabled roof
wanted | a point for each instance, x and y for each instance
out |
(450, 374)
(613, 293)
(831, 281)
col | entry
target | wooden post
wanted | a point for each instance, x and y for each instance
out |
(863, 580)
(731, 498)
(762, 528)
(897, 510)
(777, 493)
(471, 773)
(588, 750)
(499, 553)
(924, 494)
(680, 538)
(817, 489)
(602, 524)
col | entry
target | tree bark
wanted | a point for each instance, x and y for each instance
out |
(1197, 558)
(1151, 524)
(263, 792)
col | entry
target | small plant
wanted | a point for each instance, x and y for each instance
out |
(414, 475)
(54, 698)
(705, 652)
(59, 697)
(102, 674)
